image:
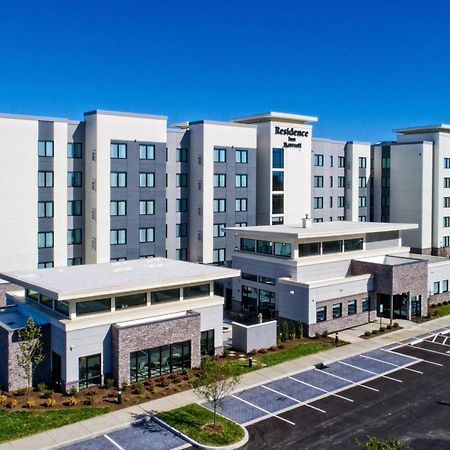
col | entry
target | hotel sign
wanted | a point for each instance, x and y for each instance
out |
(292, 134)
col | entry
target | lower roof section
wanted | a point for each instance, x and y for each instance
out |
(89, 280)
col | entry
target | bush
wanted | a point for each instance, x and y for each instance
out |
(262, 350)
(292, 330)
(138, 388)
(125, 387)
(382, 329)
(367, 333)
(164, 382)
(89, 401)
(73, 391)
(325, 333)
(445, 302)
(12, 403)
(3, 399)
(300, 329)
(72, 401)
(49, 402)
(273, 348)
(281, 346)
(396, 325)
(374, 331)
(225, 353)
(91, 392)
(29, 404)
(284, 331)
(48, 394)
(389, 327)
(109, 383)
(316, 335)
(41, 387)
(20, 392)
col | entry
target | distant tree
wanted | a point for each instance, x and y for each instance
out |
(214, 382)
(373, 443)
(31, 354)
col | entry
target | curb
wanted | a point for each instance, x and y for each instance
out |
(196, 444)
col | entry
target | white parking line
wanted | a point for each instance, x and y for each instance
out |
(320, 389)
(435, 337)
(263, 410)
(432, 351)
(392, 364)
(414, 358)
(369, 371)
(113, 442)
(439, 343)
(350, 381)
(293, 399)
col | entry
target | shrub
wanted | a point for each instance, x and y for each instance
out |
(316, 335)
(273, 348)
(41, 387)
(284, 331)
(125, 387)
(374, 331)
(89, 401)
(20, 392)
(225, 353)
(109, 382)
(292, 330)
(139, 388)
(72, 401)
(325, 333)
(445, 302)
(29, 404)
(382, 329)
(3, 399)
(281, 346)
(389, 327)
(91, 392)
(48, 394)
(367, 333)
(396, 325)
(262, 350)
(49, 402)
(12, 403)
(73, 391)
(164, 382)
(439, 304)
(300, 329)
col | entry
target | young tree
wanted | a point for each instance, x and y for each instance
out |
(299, 329)
(373, 443)
(214, 382)
(30, 346)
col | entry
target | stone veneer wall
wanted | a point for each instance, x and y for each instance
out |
(5, 287)
(11, 375)
(439, 298)
(150, 335)
(345, 321)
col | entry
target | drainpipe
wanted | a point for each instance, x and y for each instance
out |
(392, 309)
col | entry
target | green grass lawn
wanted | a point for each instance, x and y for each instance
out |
(191, 420)
(17, 424)
(261, 360)
(441, 311)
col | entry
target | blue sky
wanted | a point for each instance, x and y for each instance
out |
(362, 66)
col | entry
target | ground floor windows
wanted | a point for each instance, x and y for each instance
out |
(416, 308)
(321, 314)
(351, 307)
(337, 310)
(365, 304)
(207, 342)
(157, 361)
(90, 371)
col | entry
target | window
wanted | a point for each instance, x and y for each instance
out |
(446, 241)
(318, 220)
(331, 203)
(118, 151)
(207, 342)
(318, 181)
(220, 155)
(182, 155)
(62, 307)
(241, 180)
(45, 209)
(45, 148)
(240, 224)
(219, 205)
(446, 202)
(74, 179)
(45, 178)
(131, 301)
(277, 204)
(89, 371)
(351, 307)
(201, 290)
(182, 180)
(318, 160)
(118, 208)
(118, 237)
(341, 161)
(362, 182)
(277, 158)
(248, 245)
(331, 247)
(277, 180)
(249, 299)
(337, 310)
(447, 182)
(74, 150)
(181, 204)
(77, 261)
(331, 160)
(147, 234)
(45, 265)
(264, 247)
(321, 314)
(318, 202)
(341, 218)
(181, 229)
(266, 300)
(436, 287)
(74, 236)
(365, 304)
(74, 208)
(446, 221)
(219, 255)
(362, 201)
(241, 156)
(45, 239)
(446, 163)
(385, 163)
(341, 202)
(167, 295)
(362, 163)
(146, 179)
(249, 277)
(341, 182)
(181, 254)
(362, 218)
(219, 230)
(146, 151)
(331, 181)
(310, 249)
(282, 249)
(241, 204)
(146, 207)
(118, 179)
(93, 306)
(445, 286)
(220, 180)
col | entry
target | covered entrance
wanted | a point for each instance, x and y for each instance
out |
(398, 304)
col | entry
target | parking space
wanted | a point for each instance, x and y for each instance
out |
(146, 434)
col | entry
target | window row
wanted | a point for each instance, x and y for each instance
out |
(220, 180)
(258, 279)
(257, 300)
(282, 249)
(319, 160)
(352, 308)
(327, 247)
(220, 155)
(74, 149)
(220, 205)
(119, 151)
(439, 287)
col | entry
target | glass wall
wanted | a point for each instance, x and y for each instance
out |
(207, 342)
(90, 371)
(310, 249)
(93, 306)
(168, 295)
(247, 245)
(202, 290)
(130, 301)
(249, 299)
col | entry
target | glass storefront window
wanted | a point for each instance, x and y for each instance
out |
(321, 314)
(365, 304)
(264, 247)
(310, 249)
(247, 245)
(351, 307)
(249, 299)
(207, 342)
(202, 290)
(282, 249)
(89, 371)
(337, 310)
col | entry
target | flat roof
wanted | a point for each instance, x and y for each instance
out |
(90, 280)
(124, 114)
(276, 116)
(438, 128)
(324, 229)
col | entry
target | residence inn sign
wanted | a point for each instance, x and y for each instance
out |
(292, 136)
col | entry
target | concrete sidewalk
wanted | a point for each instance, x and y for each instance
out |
(118, 419)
